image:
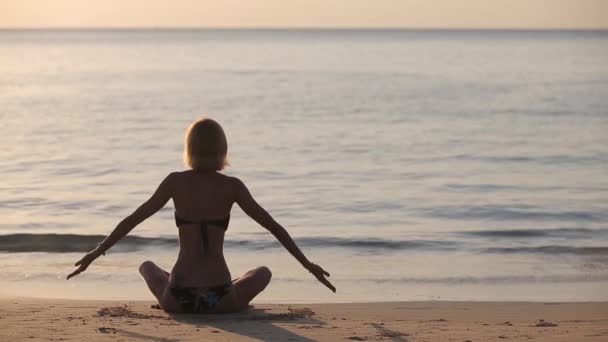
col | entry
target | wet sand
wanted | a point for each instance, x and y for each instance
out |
(28, 319)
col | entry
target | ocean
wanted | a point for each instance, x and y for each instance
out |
(411, 164)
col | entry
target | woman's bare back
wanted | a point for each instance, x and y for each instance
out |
(199, 197)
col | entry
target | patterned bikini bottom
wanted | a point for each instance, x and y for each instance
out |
(199, 300)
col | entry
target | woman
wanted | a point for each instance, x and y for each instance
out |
(200, 280)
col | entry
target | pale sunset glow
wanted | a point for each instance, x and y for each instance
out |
(539, 14)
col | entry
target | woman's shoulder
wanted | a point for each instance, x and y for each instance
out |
(235, 181)
(185, 174)
(176, 177)
(176, 174)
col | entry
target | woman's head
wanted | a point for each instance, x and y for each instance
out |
(206, 146)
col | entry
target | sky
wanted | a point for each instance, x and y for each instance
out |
(305, 13)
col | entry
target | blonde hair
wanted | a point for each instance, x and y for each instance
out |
(205, 146)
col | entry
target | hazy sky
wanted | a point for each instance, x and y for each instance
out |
(305, 13)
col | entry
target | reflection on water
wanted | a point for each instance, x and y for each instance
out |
(422, 163)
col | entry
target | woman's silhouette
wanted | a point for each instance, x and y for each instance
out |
(200, 280)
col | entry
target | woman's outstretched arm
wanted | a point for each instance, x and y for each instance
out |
(147, 209)
(261, 216)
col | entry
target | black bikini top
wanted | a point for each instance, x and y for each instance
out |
(203, 225)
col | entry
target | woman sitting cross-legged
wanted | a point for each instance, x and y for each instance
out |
(200, 280)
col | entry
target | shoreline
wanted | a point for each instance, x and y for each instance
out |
(9, 297)
(33, 319)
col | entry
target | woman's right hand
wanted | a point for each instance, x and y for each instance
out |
(85, 262)
(320, 274)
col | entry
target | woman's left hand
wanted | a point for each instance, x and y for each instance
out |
(320, 274)
(84, 262)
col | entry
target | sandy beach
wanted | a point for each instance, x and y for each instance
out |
(28, 319)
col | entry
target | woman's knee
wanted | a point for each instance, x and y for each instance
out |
(264, 273)
(146, 266)
(251, 284)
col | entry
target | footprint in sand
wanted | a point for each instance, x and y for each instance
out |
(125, 311)
(543, 323)
(107, 330)
(385, 332)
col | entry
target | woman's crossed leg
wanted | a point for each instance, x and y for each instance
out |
(244, 290)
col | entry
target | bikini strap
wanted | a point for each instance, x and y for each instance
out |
(205, 237)
(204, 227)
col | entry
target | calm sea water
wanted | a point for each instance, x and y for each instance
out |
(412, 165)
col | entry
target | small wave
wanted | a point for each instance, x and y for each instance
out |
(508, 213)
(468, 280)
(506, 279)
(552, 249)
(558, 159)
(377, 243)
(66, 243)
(483, 188)
(476, 188)
(70, 243)
(539, 233)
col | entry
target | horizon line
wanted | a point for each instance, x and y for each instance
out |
(285, 28)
